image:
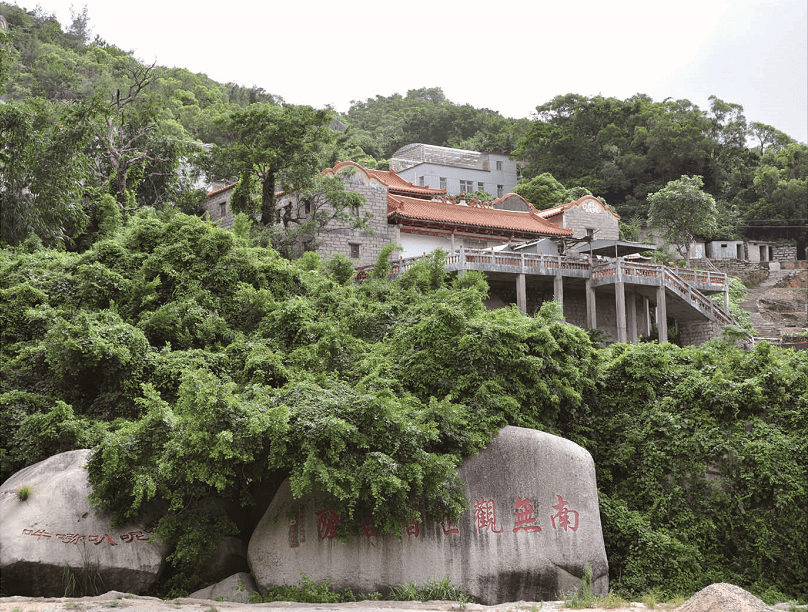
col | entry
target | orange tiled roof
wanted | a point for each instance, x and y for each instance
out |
(390, 179)
(220, 190)
(480, 218)
(557, 210)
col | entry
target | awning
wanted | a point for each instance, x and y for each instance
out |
(614, 248)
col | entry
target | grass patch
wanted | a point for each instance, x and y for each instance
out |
(308, 591)
(583, 597)
(24, 492)
(431, 590)
(83, 581)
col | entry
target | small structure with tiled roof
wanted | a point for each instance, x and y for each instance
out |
(421, 219)
(448, 224)
(588, 218)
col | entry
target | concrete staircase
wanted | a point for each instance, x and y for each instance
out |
(762, 326)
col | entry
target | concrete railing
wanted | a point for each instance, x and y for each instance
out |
(680, 281)
(695, 298)
(478, 259)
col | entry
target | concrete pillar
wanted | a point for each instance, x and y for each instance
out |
(558, 290)
(620, 308)
(646, 305)
(521, 293)
(661, 314)
(631, 315)
(591, 306)
(726, 296)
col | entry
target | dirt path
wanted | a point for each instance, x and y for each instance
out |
(105, 603)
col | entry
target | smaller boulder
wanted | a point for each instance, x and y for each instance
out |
(52, 543)
(230, 558)
(236, 588)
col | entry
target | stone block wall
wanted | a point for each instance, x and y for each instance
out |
(604, 224)
(784, 252)
(696, 333)
(218, 207)
(342, 238)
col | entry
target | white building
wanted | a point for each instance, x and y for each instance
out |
(456, 170)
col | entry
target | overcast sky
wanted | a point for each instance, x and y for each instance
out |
(505, 55)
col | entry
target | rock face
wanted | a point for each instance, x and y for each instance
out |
(229, 558)
(53, 540)
(533, 525)
(237, 588)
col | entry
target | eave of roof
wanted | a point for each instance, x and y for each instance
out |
(220, 190)
(388, 178)
(480, 219)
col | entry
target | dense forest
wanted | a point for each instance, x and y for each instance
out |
(201, 365)
(146, 134)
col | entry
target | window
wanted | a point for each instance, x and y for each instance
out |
(307, 207)
(421, 180)
(499, 165)
(355, 210)
(443, 182)
(354, 250)
(467, 186)
(590, 233)
(500, 190)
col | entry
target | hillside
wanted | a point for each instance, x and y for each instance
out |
(619, 150)
(200, 362)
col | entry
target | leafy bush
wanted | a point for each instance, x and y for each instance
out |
(199, 368)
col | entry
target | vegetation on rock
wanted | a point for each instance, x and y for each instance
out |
(202, 369)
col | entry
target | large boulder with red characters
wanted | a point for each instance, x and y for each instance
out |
(53, 543)
(532, 528)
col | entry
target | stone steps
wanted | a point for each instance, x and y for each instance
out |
(763, 327)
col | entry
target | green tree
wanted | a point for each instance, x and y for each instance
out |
(543, 191)
(325, 204)
(43, 163)
(682, 211)
(280, 145)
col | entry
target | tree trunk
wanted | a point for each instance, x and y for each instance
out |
(268, 199)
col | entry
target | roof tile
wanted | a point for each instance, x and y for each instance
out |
(402, 208)
(389, 179)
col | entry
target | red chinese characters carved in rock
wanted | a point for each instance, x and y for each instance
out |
(97, 539)
(70, 538)
(564, 515)
(485, 515)
(327, 521)
(38, 534)
(525, 516)
(369, 530)
(413, 528)
(449, 527)
(132, 536)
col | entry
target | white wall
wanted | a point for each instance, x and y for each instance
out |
(432, 174)
(415, 245)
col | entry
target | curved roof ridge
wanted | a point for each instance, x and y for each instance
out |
(512, 194)
(555, 210)
(388, 178)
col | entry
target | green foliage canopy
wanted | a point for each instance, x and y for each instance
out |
(203, 370)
